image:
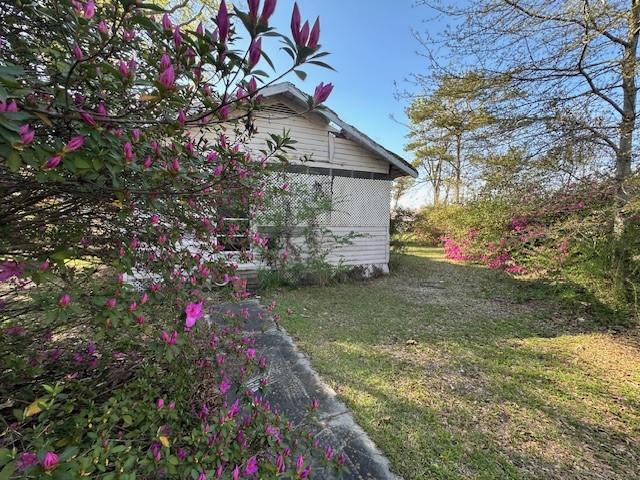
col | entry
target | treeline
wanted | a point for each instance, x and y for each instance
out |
(524, 131)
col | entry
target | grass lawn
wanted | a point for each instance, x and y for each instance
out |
(456, 372)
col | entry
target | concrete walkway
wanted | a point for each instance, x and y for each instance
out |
(292, 385)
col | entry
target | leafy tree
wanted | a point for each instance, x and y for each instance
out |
(575, 68)
(122, 150)
(442, 123)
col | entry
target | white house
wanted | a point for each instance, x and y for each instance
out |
(356, 171)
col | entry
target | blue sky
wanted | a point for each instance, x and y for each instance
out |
(371, 46)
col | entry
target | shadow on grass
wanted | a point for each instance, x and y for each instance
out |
(457, 371)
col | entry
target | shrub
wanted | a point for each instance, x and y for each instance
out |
(563, 235)
(122, 159)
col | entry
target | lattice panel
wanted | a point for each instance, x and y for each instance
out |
(354, 201)
(360, 202)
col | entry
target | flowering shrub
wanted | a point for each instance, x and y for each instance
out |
(564, 235)
(122, 164)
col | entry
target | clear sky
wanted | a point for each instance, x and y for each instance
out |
(372, 46)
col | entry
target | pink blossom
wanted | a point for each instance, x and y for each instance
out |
(314, 36)
(225, 385)
(202, 476)
(328, 453)
(182, 118)
(193, 314)
(280, 464)
(169, 339)
(159, 404)
(103, 28)
(165, 61)
(267, 11)
(175, 165)
(133, 306)
(251, 467)
(88, 119)
(295, 23)
(224, 112)
(299, 464)
(26, 460)
(322, 92)
(77, 52)
(44, 266)
(26, 134)
(177, 37)
(315, 404)
(123, 68)
(50, 461)
(167, 78)
(64, 300)
(255, 52)
(166, 22)
(53, 161)
(135, 134)
(200, 29)
(74, 144)
(89, 9)
(111, 303)
(148, 161)
(127, 152)
(222, 20)
(235, 474)
(252, 86)
(217, 171)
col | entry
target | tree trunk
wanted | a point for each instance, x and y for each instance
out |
(457, 168)
(624, 154)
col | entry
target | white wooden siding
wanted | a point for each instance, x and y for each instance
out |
(312, 135)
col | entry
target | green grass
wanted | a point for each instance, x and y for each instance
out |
(460, 372)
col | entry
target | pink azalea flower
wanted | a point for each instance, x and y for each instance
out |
(64, 300)
(74, 144)
(103, 28)
(267, 11)
(166, 22)
(127, 152)
(88, 119)
(26, 460)
(168, 78)
(89, 9)
(222, 20)
(193, 313)
(251, 467)
(26, 134)
(53, 161)
(50, 461)
(322, 92)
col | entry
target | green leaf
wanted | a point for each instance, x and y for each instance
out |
(301, 75)
(7, 471)
(69, 453)
(322, 64)
(14, 161)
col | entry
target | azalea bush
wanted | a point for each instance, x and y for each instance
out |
(122, 169)
(564, 235)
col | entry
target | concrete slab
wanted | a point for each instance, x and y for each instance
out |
(292, 385)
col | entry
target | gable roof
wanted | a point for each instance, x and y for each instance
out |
(399, 166)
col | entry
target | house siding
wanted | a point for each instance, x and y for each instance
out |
(361, 205)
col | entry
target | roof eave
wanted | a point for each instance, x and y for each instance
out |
(402, 166)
